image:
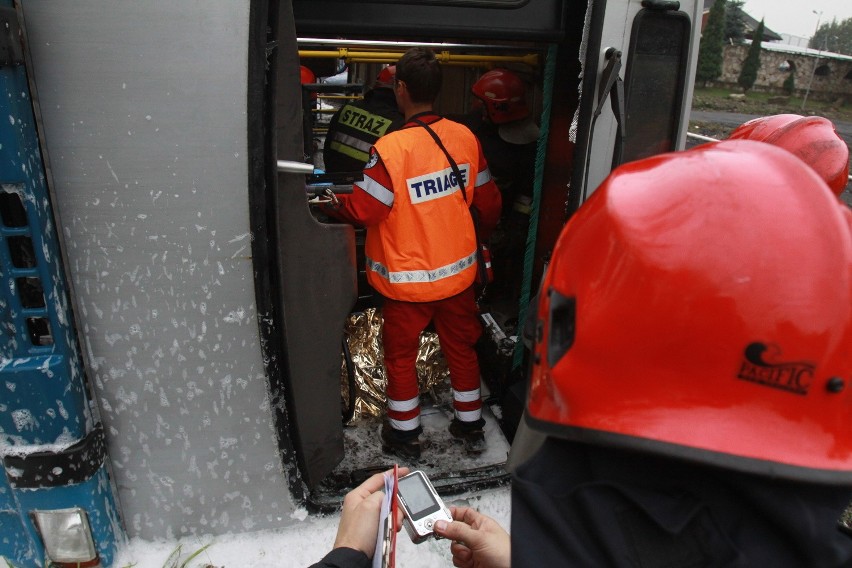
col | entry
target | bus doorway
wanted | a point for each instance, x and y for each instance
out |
(320, 408)
(575, 88)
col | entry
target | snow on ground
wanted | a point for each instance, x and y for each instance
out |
(300, 544)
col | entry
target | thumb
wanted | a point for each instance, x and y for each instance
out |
(457, 531)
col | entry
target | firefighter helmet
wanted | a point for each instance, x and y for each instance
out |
(384, 80)
(306, 75)
(813, 139)
(503, 94)
(699, 305)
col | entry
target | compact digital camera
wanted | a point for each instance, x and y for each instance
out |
(421, 506)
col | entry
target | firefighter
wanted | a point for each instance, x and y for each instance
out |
(502, 122)
(813, 139)
(358, 124)
(421, 251)
(690, 375)
(501, 119)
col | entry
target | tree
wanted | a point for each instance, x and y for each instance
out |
(834, 36)
(712, 42)
(751, 65)
(735, 24)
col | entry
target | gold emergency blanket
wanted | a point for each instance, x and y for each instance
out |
(364, 337)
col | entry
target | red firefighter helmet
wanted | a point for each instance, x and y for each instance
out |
(813, 139)
(504, 96)
(384, 80)
(306, 75)
(699, 305)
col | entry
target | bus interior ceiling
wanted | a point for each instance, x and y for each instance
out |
(340, 79)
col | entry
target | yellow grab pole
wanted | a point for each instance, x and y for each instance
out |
(532, 59)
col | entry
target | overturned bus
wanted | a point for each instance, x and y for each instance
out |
(176, 341)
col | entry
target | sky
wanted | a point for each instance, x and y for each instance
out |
(300, 544)
(797, 18)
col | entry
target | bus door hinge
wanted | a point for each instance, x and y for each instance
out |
(612, 87)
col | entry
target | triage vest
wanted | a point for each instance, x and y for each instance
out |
(425, 249)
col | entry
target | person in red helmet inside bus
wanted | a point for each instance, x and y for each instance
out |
(813, 139)
(501, 120)
(690, 390)
(357, 125)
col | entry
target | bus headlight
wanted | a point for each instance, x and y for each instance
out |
(67, 537)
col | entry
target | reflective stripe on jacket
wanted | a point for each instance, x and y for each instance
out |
(426, 248)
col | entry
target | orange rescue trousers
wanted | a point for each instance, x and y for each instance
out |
(457, 323)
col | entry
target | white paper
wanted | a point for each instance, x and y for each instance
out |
(383, 538)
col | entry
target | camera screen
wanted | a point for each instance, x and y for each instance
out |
(417, 497)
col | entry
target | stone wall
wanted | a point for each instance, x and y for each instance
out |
(832, 80)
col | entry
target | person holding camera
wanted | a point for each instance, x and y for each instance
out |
(477, 539)
(358, 529)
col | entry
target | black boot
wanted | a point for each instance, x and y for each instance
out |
(471, 434)
(401, 443)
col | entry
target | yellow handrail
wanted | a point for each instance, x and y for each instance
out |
(446, 57)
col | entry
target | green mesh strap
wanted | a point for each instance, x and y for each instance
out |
(541, 152)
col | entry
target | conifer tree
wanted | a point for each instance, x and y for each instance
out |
(735, 26)
(751, 65)
(712, 42)
(834, 36)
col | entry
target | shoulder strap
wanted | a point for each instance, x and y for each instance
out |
(474, 214)
(437, 139)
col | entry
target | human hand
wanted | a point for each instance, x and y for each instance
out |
(359, 519)
(478, 540)
(326, 198)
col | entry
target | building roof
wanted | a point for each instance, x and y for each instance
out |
(797, 50)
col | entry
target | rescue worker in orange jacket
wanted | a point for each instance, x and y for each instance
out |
(420, 251)
(358, 124)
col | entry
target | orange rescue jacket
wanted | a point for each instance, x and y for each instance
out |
(425, 249)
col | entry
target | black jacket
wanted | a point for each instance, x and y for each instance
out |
(352, 133)
(578, 505)
(344, 558)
